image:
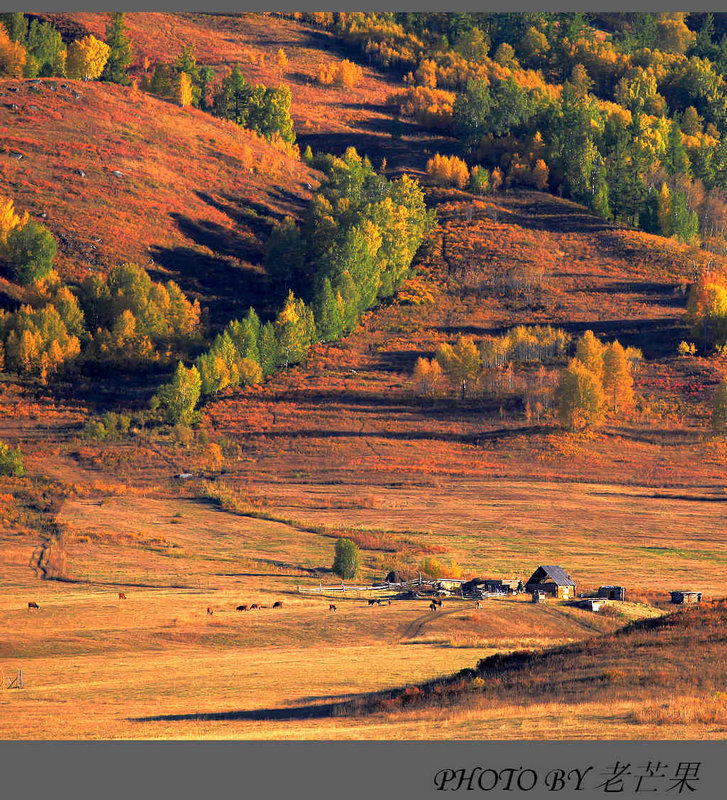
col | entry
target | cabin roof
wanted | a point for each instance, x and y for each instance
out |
(557, 574)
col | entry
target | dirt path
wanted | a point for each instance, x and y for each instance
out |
(414, 627)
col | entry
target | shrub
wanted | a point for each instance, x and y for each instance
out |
(11, 461)
(31, 249)
(346, 559)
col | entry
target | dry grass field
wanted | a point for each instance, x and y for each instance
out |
(338, 445)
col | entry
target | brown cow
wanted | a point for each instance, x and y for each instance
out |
(433, 606)
(33, 604)
(478, 604)
(210, 612)
(122, 596)
(241, 608)
(277, 604)
(331, 607)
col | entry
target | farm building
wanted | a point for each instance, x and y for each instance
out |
(612, 592)
(552, 580)
(681, 598)
(504, 585)
(538, 596)
(501, 585)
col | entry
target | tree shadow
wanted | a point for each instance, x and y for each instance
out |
(226, 288)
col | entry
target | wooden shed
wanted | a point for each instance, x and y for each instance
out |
(552, 580)
(683, 598)
(612, 592)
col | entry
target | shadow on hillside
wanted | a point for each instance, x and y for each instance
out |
(551, 214)
(221, 240)
(312, 711)
(226, 289)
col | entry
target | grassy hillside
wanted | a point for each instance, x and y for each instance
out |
(196, 199)
(654, 674)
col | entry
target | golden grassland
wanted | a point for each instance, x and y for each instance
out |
(157, 665)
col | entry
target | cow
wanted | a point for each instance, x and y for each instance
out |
(433, 606)
(373, 602)
(254, 606)
(241, 608)
(277, 604)
(210, 612)
(33, 604)
(331, 607)
(478, 604)
(122, 596)
(438, 602)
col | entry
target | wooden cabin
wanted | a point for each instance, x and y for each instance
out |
(552, 580)
(685, 598)
(612, 592)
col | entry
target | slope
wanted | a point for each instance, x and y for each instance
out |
(120, 175)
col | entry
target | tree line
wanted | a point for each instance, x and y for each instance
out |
(633, 124)
(354, 247)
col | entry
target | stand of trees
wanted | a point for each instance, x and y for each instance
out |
(598, 380)
(354, 248)
(633, 124)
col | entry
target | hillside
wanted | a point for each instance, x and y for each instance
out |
(195, 201)
(163, 527)
(654, 675)
(328, 118)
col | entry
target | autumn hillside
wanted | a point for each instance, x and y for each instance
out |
(121, 175)
(637, 671)
(322, 114)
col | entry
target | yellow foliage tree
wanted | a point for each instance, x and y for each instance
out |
(427, 377)
(12, 56)
(589, 351)
(282, 59)
(185, 90)
(86, 58)
(9, 219)
(580, 397)
(618, 383)
(448, 171)
(461, 363)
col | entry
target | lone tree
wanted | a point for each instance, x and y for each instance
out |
(460, 363)
(345, 562)
(31, 250)
(580, 397)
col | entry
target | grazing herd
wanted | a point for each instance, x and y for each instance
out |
(433, 606)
